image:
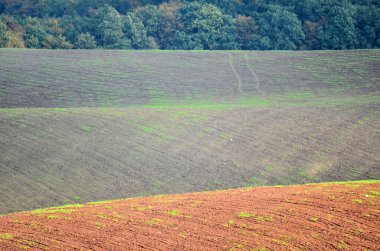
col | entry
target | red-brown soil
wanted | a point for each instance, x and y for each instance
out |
(304, 217)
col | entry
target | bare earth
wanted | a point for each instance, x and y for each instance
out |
(341, 216)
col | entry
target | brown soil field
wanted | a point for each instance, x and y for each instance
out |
(330, 216)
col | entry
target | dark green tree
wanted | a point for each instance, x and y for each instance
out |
(134, 30)
(205, 27)
(108, 28)
(247, 30)
(279, 29)
(311, 40)
(35, 34)
(168, 24)
(3, 35)
(367, 26)
(338, 31)
(150, 16)
(85, 41)
(56, 42)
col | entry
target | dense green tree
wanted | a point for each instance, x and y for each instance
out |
(108, 27)
(150, 16)
(85, 41)
(205, 27)
(168, 24)
(311, 39)
(310, 10)
(135, 31)
(367, 26)
(56, 42)
(202, 24)
(4, 39)
(226, 6)
(35, 34)
(338, 31)
(74, 25)
(279, 29)
(247, 30)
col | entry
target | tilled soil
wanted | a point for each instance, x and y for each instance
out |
(344, 216)
(46, 78)
(51, 157)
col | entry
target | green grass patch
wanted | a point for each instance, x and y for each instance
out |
(69, 206)
(359, 201)
(229, 223)
(84, 128)
(224, 135)
(50, 211)
(146, 129)
(373, 194)
(6, 236)
(245, 215)
(264, 218)
(173, 212)
(100, 202)
(314, 219)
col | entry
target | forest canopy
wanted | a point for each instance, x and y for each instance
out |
(201, 25)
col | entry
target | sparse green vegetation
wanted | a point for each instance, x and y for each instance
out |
(84, 128)
(245, 215)
(143, 208)
(264, 218)
(229, 223)
(173, 212)
(153, 222)
(146, 129)
(341, 245)
(374, 194)
(314, 219)
(359, 201)
(6, 236)
(53, 211)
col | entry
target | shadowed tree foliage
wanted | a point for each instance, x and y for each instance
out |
(35, 34)
(247, 30)
(3, 35)
(338, 31)
(85, 41)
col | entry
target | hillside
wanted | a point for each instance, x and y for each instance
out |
(43, 78)
(334, 216)
(94, 125)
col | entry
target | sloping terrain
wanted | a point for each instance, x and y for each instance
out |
(79, 126)
(57, 156)
(43, 78)
(341, 216)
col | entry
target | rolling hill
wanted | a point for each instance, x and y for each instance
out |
(332, 216)
(79, 126)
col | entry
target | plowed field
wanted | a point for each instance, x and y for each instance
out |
(80, 126)
(341, 216)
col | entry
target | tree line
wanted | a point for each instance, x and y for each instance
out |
(190, 25)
